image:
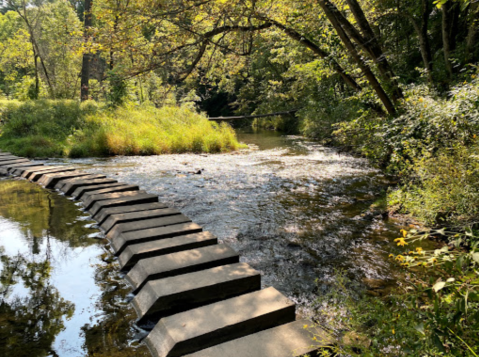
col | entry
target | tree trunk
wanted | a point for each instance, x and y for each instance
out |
(85, 69)
(424, 39)
(321, 53)
(328, 9)
(446, 44)
(369, 43)
(471, 40)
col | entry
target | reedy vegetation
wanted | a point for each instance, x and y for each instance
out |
(395, 81)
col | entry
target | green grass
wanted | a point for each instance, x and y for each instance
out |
(64, 128)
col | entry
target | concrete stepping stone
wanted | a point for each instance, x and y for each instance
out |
(9, 158)
(12, 162)
(146, 235)
(206, 326)
(146, 224)
(103, 188)
(90, 199)
(104, 214)
(180, 263)
(51, 179)
(12, 168)
(134, 252)
(18, 171)
(5, 154)
(123, 201)
(70, 187)
(165, 297)
(294, 339)
(35, 174)
(62, 183)
(136, 216)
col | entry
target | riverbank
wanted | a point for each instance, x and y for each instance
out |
(66, 128)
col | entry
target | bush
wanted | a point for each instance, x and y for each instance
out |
(68, 128)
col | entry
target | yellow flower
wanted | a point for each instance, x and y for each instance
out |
(419, 250)
(411, 252)
(401, 241)
(394, 332)
(391, 255)
(399, 258)
(404, 233)
(305, 326)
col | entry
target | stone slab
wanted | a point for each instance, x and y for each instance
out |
(35, 174)
(134, 252)
(165, 297)
(146, 224)
(10, 158)
(104, 214)
(70, 187)
(12, 168)
(18, 171)
(95, 189)
(51, 179)
(206, 326)
(180, 263)
(289, 340)
(151, 234)
(5, 154)
(136, 216)
(90, 199)
(12, 162)
(123, 201)
(62, 183)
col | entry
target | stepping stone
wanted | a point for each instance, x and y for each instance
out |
(51, 179)
(62, 183)
(123, 201)
(104, 214)
(134, 252)
(20, 170)
(146, 224)
(135, 217)
(165, 297)
(70, 187)
(206, 326)
(12, 162)
(10, 158)
(14, 167)
(289, 340)
(180, 263)
(30, 173)
(98, 189)
(5, 154)
(90, 199)
(146, 235)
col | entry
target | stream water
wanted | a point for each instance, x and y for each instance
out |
(295, 210)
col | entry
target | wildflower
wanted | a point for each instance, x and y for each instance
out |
(391, 255)
(401, 241)
(399, 258)
(411, 252)
(419, 250)
(404, 233)
(394, 332)
(305, 326)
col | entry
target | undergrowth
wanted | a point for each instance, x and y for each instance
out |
(47, 128)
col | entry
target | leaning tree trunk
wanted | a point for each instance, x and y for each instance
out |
(85, 69)
(373, 81)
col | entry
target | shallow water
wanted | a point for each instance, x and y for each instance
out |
(60, 295)
(295, 210)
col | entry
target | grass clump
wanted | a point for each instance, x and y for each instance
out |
(47, 128)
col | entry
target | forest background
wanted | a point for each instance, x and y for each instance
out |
(393, 80)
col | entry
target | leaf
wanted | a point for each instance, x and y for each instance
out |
(475, 257)
(439, 285)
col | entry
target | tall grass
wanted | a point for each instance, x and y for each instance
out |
(67, 128)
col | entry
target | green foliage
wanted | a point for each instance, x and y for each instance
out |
(49, 128)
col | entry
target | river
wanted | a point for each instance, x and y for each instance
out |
(295, 210)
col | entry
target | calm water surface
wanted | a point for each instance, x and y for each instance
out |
(295, 210)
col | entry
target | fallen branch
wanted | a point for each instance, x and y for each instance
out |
(254, 116)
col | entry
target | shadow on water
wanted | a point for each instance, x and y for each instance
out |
(59, 293)
(295, 210)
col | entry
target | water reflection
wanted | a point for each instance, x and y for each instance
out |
(59, 294)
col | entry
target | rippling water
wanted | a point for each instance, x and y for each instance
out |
(295, 210)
